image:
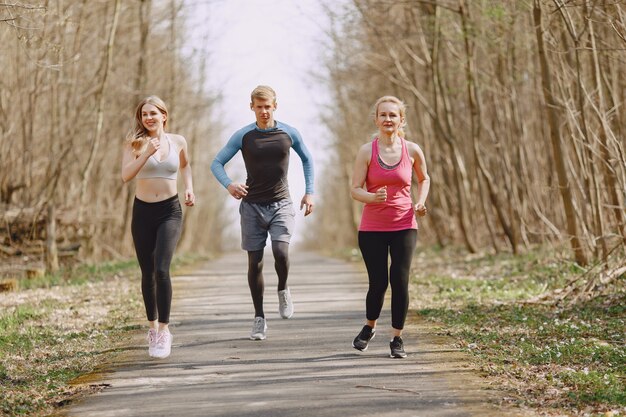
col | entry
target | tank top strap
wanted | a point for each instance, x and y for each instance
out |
(172, 153)
(169, 142)
(375, 151)
(405, 150)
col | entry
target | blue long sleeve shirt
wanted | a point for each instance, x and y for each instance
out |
(266, 157)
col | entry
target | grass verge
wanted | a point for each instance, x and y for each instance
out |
(557, 360)
(59, 327)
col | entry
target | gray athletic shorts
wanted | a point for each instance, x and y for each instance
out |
(257, 219)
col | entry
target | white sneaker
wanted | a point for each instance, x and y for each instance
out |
(163, 345)
(152, 338)
(285, 305)
(258, 329)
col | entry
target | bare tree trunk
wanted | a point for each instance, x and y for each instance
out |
(596, 191)
(519, 201)
(145, 8)
(607, 169)
(476, 124)
(587, 160)
(52, 256)
(173, 72)
(28, 131)
(460, 173)
(95, 144)
(194, 147)
(555, 136)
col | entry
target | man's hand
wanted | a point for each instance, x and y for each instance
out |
(307, 202)
(238, 190)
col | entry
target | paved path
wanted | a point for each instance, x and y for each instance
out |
(306, 367)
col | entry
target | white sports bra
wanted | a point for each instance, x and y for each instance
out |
(167, 168)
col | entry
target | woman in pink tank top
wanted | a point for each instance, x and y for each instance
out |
(382, 180)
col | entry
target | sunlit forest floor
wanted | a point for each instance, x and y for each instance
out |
(556, 359)
(560, 358)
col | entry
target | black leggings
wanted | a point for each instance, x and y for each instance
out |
(156, 229)
(255, 273)
(376, 248)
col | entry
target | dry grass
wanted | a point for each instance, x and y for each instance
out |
(51, 335)
(557, 359)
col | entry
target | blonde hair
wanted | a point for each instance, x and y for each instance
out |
(263, 92)
(401, 106)
(138, 136)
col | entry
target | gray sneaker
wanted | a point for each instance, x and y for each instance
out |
(258, 329)
(285, 306)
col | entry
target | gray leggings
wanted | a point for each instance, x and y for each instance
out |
(156, 228)
(280, 250)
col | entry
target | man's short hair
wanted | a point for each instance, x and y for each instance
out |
(263, 92)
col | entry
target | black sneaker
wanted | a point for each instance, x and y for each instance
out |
(397, 348)
(363, 338)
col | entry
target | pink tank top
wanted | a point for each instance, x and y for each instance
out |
(397, 212)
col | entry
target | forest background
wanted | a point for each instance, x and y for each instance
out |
(517, 105)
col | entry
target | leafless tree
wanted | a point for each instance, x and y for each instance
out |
(72, 73)
(517, 105)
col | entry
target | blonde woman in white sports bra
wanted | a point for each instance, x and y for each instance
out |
(155, 157)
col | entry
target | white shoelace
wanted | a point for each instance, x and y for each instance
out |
(163, 339)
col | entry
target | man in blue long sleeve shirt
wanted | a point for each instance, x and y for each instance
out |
(266, 205)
